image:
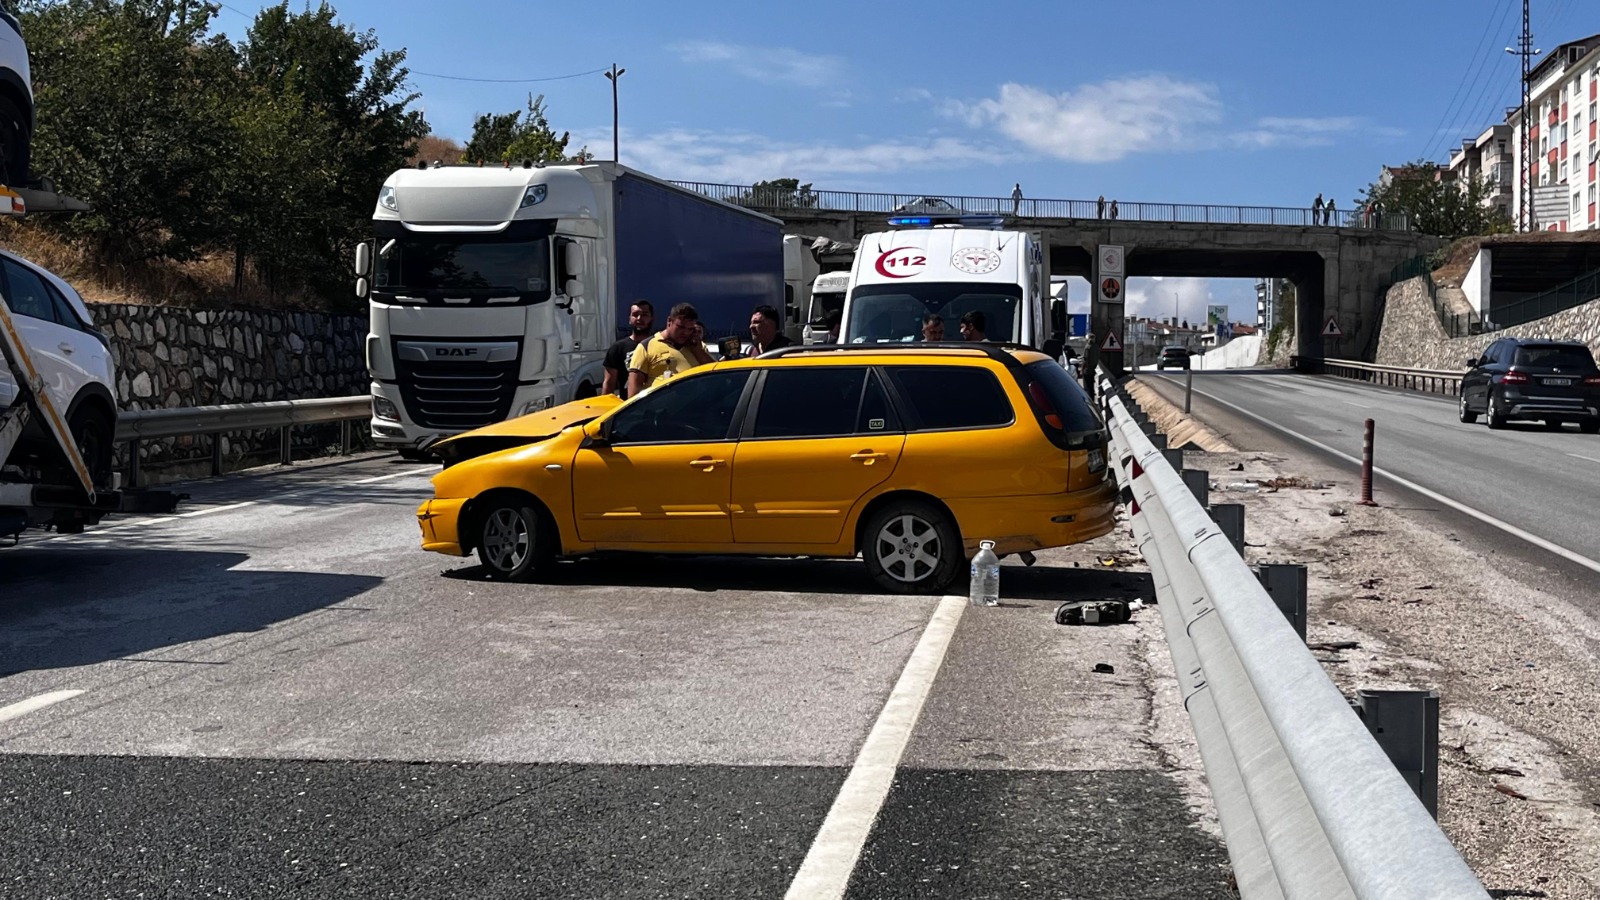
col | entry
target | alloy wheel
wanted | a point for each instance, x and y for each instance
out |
(507, 540)
(908, 548)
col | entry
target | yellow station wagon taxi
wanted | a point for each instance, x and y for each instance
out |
(906, 455)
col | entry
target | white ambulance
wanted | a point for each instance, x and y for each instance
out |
(949, 267)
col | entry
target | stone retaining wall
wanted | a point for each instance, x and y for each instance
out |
(1412, 336)
(171, 357)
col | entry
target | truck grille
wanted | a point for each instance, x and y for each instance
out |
(457, 396)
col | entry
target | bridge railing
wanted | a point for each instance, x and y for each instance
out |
(770, 200)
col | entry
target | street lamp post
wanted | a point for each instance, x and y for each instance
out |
(612, 76)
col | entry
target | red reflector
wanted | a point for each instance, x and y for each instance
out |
(1134, 507)
(1137, 469)
(1592, 380)
(1515, 378)
(1041, 401)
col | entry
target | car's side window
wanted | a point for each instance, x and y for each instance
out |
(948, 397)
(809, 401)
(27, 294)
(876, 415)
(686, 409)
(65, 314)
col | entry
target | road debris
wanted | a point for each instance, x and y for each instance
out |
(1105, 668)
(1094, 612)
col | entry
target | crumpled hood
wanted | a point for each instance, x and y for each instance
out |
(522, 430)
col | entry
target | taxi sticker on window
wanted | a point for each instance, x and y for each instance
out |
(875, 424)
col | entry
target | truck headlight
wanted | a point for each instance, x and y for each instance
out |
(387, 198)
(534, 195)
(533, 406)
(383, 408)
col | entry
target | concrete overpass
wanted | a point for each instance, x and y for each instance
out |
(1339, 264)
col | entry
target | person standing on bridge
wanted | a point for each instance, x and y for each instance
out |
(1316, 211)
(1016, 198)
(1100, 207)
(1329, 212)
(1113, 209)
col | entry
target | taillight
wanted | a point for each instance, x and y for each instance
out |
(1591, 381)
(1041, 402)
(1514, 378)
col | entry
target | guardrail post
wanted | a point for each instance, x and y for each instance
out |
(216, 454)
(344, 437)
(285, 449)
(1285, 583)
(1230, 518)
(1199, 483)
(1406, 725)
(1157, 439)
(133, 463)
(1174, 457)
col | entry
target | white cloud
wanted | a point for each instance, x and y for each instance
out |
(744, 158)
(1281, 131)
(768, 65)
(1101, 122)
(1153, 298)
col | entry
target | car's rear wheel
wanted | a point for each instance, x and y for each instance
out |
(1497, 420)
(91, 434)
(14, 140)
(912, 547)
(1463, 413)
(514, 539)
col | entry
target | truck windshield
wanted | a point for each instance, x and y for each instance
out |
(481, 270)
(881, 313)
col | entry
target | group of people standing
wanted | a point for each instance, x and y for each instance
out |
(1324, 213)
(641, 359)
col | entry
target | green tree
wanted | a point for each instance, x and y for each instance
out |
(779, 193)
(521, 135)
(132, 119)
(1435, 206)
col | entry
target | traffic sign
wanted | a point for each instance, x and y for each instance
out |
(1111, 289)
(1332, 329)
(1111, 259)
(1112, 343)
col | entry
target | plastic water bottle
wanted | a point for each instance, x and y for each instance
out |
(984, 589)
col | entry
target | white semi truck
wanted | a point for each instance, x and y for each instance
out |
(494, 292)
(950, 266)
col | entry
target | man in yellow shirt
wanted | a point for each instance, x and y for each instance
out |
(671, 351)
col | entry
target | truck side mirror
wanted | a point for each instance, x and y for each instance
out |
(574, 288)
(1058, 317)
(362, 289)
(574, 259)
(363, 263)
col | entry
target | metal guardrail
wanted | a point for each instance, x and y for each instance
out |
(1309, 804)
(134, 426)
(768, 200)
(1583, 289)
(1433, 381)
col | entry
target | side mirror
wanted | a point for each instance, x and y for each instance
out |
(574, 287)
(574, 260)
(597, 433)
(363, 263)
(362, 289)
(1473, 362)
(1058, 316)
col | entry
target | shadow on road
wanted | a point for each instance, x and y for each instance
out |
(65, 607)
(814, 576)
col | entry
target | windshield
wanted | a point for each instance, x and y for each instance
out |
(824, 303)
(881, 313)
(481, 269)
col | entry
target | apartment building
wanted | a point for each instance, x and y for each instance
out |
(1490, 158)
(1564, 91)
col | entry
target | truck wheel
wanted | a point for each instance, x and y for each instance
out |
(515, 541)
(911, 547)
(585, 391)
(91, 433)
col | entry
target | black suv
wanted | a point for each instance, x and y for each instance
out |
(1521, 379)
(1175, 356)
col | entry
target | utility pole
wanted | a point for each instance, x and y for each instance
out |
(1526, 50)
(612, 76)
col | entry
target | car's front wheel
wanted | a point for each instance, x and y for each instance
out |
(1463, 413)
(912, 547)
(514, 539)
(92, 435)
(1589, 426)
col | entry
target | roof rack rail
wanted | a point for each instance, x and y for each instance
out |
(995, 350)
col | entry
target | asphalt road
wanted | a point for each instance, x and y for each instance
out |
(1536, 482)
(275, 694)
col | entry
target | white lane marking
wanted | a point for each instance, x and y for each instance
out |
(1483, 517)
(1581, 456)
(17, 710)
(1360, 405)
(826, 871)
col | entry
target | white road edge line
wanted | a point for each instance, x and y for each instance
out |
(1582, 457)
(32, 704)
(1483, 517)
(826, 871)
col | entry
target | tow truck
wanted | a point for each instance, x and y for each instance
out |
(32, 495)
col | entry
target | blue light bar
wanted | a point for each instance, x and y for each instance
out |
(927, 221)
(910, 220)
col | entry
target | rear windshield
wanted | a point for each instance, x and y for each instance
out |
(1562, 356)
(1066, 395)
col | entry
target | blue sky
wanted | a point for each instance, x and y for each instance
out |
(1182, 101)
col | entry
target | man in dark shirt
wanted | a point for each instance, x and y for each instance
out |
(641, 318)
(766, 331)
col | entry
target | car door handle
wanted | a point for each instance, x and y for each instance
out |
(65, 347)
(705, 462)
(868, 457)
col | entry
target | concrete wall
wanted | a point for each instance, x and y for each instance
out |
(1476, 285)
(170, 357)
(1239, 353)
(1412, 336)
